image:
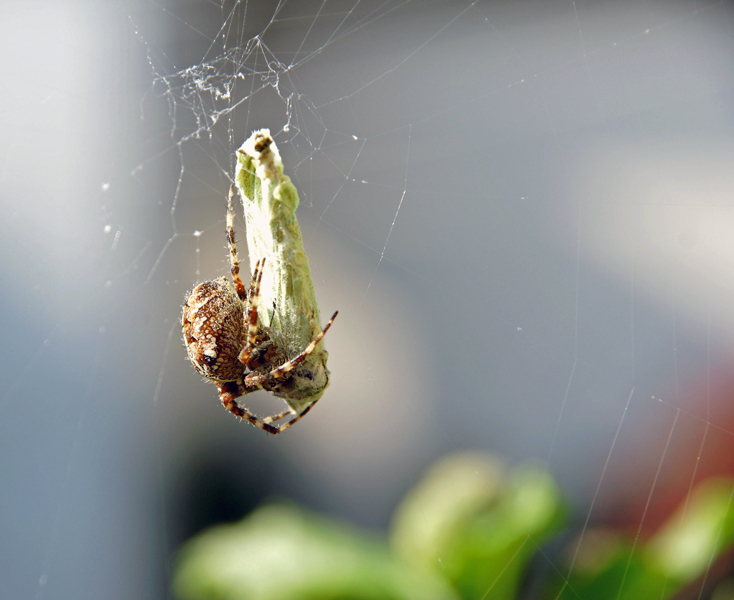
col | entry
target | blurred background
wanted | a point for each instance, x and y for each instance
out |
(523, 211)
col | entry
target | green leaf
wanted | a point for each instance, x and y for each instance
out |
(476, 524)
(281, 552)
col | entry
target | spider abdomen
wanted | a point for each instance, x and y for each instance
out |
(214, 331)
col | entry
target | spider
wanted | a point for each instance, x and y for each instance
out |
(227, 344)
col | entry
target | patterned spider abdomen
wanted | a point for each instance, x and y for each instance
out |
(214, 331)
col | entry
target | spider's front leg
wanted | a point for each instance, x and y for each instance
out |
(251, 318)
(229, 391)
(249, 299)
(234, 263)
(277, 417)
(257, 379)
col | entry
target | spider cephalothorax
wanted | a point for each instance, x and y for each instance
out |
(228, 346)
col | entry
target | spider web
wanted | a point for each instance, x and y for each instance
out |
(522, 211)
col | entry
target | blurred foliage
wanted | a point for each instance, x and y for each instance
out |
(467, 530)
(476, 524)
(284, 552)
(609, 566)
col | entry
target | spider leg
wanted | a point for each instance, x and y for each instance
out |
(254, 379)
(284, 426)
(234, 263)
(228, 393)
(251, 317)
(278, 417)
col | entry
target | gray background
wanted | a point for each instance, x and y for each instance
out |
(522, 210)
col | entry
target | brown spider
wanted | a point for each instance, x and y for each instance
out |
(228, 346)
